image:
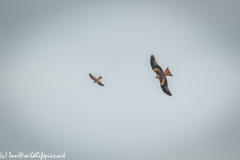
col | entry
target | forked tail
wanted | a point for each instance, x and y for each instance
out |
(167, 72)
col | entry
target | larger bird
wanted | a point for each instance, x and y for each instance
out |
(161, 75)
(96, 79)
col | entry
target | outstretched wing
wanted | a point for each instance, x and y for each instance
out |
(98, 82)
(93, 78)
(156, 68)
(153, 62)
(165, 88)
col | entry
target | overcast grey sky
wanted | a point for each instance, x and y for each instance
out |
(49, 103)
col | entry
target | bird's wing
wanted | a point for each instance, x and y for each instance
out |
(98, 82)
(153, 62)
(156, 68)
(93, 78)
(165, 88)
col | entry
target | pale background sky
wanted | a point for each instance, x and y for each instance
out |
(49, 104)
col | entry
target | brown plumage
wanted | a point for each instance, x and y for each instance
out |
(161, 75)
(96, 79)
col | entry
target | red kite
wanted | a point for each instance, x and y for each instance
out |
(96, 79)
(161, 75)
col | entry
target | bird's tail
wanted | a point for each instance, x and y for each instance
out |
(167, 72)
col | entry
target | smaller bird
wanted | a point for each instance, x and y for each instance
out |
(96, 79)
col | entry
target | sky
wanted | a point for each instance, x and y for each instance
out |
(48, 103)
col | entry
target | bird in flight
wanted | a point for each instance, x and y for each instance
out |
(161, 75)
(96, 79)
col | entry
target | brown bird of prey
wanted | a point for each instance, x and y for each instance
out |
(96, 79)
(161, 75)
